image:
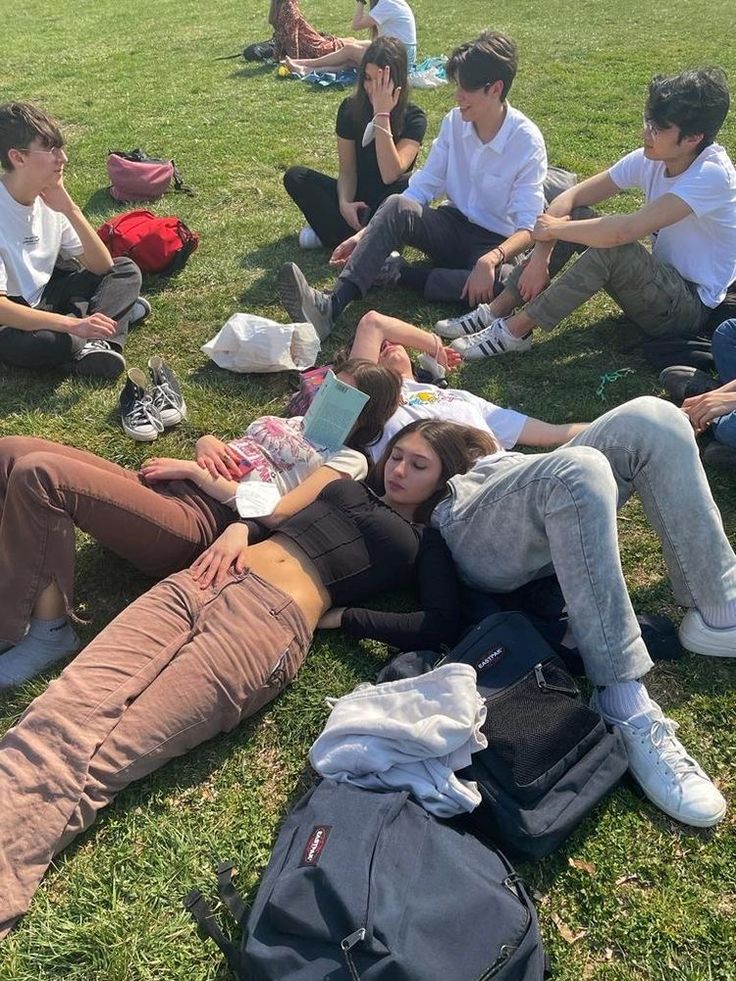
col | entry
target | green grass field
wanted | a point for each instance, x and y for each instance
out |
(632, 895)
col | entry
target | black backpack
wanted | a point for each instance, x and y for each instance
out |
(550, 759)
(366, 886)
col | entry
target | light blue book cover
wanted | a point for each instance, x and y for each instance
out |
(333, 413)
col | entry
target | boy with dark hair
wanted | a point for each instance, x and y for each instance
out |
(50, 316)
(488, 160)
(690, 215)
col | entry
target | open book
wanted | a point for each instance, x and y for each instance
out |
(333, 413)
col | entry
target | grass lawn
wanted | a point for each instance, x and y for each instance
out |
(632, 895)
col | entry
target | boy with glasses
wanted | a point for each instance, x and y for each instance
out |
(48, 315)
(489, 162)
(689, 184)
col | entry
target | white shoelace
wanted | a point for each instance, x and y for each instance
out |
(164, 397)
(477, 319)
(144, 412)
(671, 750)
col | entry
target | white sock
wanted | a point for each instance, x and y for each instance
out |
(721, 616)
(624, 700)
(46, 642)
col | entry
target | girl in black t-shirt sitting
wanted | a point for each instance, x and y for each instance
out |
(379, 133)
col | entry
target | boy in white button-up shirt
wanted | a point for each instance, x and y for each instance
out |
(489, 163)
(689, 215)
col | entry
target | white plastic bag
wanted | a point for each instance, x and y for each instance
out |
(247, 343)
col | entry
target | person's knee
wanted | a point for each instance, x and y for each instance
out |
(654, 421)
(124, 267)
(15, 447)
(294, 178)
(586, 476)
(38, 475)
(724, 340)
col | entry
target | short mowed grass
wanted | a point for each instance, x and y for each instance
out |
(652, 899)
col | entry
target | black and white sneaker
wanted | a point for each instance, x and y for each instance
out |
(491, 342)
(139, 417)
(469, 323)
(98, 359)
(303, 303)
(141, 309)
(166, 393)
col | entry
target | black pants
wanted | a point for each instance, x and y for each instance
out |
(79, 294)
(315, 195)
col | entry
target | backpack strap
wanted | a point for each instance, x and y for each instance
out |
(226, 871)
(179, 184)
(196, 906)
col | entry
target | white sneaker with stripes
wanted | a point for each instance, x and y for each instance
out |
(492, 341)
(469, 323)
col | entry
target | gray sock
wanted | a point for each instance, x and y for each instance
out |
(624, 700)
(46, 642)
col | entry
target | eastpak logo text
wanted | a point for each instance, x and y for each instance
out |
(315, 845)
(490, 660)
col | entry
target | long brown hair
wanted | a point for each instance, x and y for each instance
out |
(384, 389)
(384, 52)
(457, 446)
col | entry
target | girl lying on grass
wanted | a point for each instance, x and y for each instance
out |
(210, 645)
(159, 518)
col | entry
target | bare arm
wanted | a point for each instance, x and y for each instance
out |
(347, 183)
(95, 256)
(538, 433)
(393, 158)
(21, 317)
(302, 495)
(375, 328)
(479, 284)
(361, 20)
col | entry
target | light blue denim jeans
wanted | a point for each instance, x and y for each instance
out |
(724, 355)
(521, 516)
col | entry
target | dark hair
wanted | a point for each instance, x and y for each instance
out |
(695, 101)
(20, 124)
(384, 52)
(384, 389)
(490, 58)
(458, 447)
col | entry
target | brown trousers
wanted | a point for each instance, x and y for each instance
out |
(179, 666)
(47, 488)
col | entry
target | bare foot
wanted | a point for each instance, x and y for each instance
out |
(294, 66)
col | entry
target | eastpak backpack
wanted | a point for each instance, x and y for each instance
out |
(366, 886)
(550, 759)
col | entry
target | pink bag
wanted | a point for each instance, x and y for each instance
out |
(135, 176)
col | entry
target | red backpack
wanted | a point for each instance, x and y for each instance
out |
(155, 244)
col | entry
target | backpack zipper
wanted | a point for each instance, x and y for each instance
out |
(346, 946)
(503, 955)
(544, 684)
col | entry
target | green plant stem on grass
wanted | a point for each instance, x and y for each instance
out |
(660, 901)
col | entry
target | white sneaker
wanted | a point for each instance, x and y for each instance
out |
(308, 238)
(140, 310)
(697, 636)
(488, 343)
(469, 323)
(669, 777)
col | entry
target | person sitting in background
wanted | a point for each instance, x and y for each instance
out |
(393, 18)
(379, 133)
(159, 518)
(689, 183)
(294, 36)
(490, 162)
(48, 316)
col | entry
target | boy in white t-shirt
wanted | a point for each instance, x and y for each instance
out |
(50, 316)
(689, 184)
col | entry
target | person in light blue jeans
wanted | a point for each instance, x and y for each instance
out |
(716, 408)
(515, 517)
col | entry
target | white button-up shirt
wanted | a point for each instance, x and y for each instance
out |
(497, 185)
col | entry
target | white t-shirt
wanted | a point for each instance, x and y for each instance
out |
(452, 405)
(395, 19)
(32, 237)
(274, 450)
(701, 247)
(497, 185)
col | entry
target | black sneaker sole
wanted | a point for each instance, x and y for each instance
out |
(99, 364)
